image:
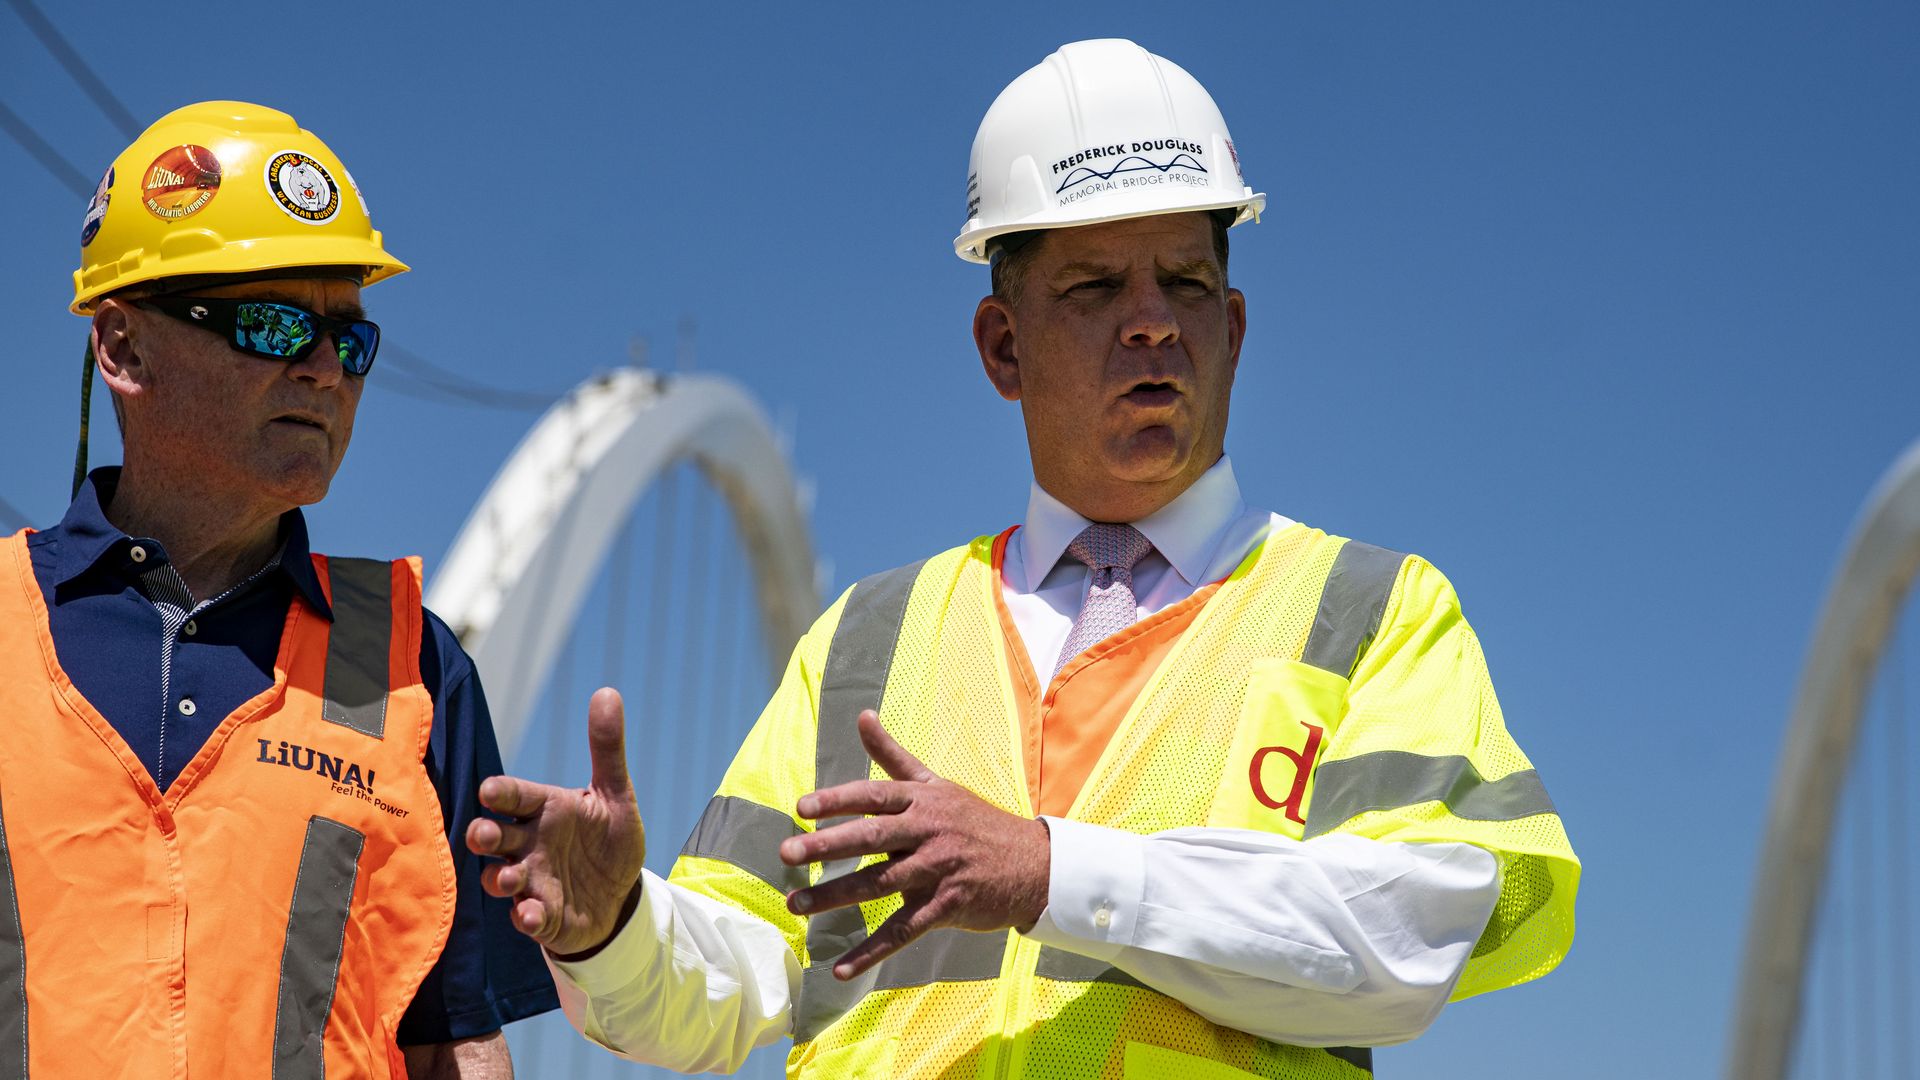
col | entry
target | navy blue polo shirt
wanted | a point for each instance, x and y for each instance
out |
(165, 677)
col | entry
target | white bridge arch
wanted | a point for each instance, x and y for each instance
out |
(1861, 607)
(516, 577)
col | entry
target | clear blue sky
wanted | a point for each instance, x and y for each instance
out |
(1608, 309)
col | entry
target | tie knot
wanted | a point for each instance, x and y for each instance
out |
(1105, 546)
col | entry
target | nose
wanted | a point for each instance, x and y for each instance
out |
(321, 367)
(1150, 321)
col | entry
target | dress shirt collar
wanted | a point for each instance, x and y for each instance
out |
(1186, 532)
(85, 540)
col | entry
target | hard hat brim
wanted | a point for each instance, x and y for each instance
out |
(973, 241)
(245, 257)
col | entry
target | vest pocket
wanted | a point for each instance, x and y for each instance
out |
(1287, 717)
(1146, 1062)
(870, 1059)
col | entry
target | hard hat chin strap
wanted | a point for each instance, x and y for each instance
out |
(86, 399)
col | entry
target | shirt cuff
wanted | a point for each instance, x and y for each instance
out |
(1094, 889)
(634, 949)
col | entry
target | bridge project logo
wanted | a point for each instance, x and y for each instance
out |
(1135, 167)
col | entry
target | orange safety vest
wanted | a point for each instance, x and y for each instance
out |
(273, 912)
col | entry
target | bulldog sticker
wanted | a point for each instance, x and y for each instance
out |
(302, 187)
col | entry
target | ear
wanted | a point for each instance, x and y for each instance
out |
(993, 335)
(1236, 326)
(115, 350)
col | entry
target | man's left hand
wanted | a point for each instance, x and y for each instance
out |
(954, 858)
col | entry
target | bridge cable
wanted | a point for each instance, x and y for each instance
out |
(697, 721)
(1900, 954)
(64, 54)
(1862, 877)
(43, 152)
(665, 569)
(619, 584)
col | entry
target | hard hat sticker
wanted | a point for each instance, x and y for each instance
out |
(1142, 163)
(180, 182)
(355, 185)
(303, 187)
(96, 209)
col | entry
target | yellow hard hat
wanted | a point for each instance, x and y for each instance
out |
(224, 187)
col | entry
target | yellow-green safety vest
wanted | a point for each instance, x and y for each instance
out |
(1363, 707)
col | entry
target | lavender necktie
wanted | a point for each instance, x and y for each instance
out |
(1110, 551)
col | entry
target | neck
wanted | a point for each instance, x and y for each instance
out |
(213, 540)
(1105, 498)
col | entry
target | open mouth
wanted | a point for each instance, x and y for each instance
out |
(1153, 394)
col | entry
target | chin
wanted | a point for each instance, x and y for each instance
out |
(1146, 460)
(299, 484)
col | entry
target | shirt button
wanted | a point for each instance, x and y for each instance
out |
(187, 708)
(1103, 918)
(190, 629)
(137, 553)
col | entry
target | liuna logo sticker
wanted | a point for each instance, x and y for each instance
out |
(180, 182)
(97, 209)
(303, 187)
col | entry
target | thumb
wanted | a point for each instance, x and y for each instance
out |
(607, 743)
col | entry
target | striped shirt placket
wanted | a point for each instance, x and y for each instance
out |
(167, 591)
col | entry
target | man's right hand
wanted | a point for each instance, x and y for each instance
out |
(570, 857)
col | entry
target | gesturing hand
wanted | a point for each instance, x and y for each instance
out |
(571, 856)
(954, 858)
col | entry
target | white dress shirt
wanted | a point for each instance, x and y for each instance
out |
(1333, 941)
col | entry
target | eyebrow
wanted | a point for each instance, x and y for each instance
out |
(1082, 269)
(1205, 269)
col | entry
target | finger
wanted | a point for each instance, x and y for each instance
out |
(850, 840)
(607, 743)
(857, 797)
(867, 883)
(889, 754)
(899, 931)
(506, 840)
(530, 917)
(512, 797)
(503, 879)
(483, 836)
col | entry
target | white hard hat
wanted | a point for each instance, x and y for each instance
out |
(1099, 131)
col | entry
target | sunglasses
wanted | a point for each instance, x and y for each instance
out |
(274, 330)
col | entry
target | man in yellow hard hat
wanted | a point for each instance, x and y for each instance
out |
(234, 768)
(1154, 784)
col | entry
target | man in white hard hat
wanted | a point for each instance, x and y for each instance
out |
(1154, 784)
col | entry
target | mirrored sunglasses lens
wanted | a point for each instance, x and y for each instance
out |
(357, 343)
(273, 329)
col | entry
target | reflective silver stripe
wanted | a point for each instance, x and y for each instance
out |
(1390, 779)
(13, 965)
(944, 955)
(1063, 966)
(855, 678)
(1360, 1057)
(1351, 604)
(310, 958)
(357, 647)
(747, 835)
